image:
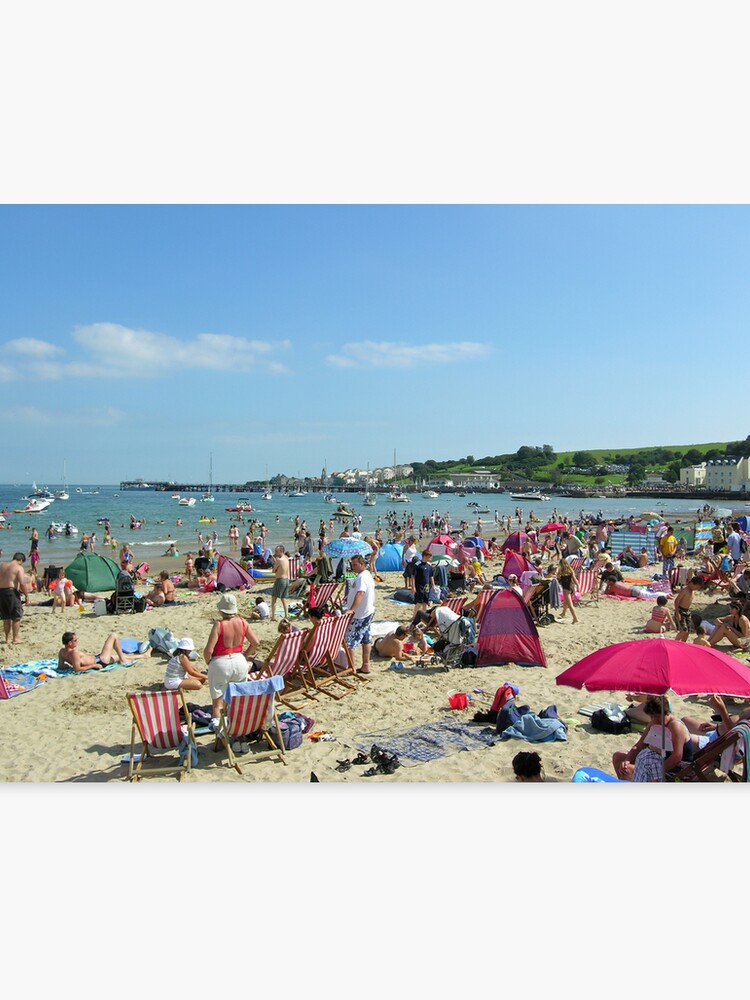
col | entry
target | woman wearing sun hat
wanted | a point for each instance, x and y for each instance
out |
(180, 672)
(223, 652)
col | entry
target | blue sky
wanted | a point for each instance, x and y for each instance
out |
(138, 340)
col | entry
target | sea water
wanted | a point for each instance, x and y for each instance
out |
(159, 515)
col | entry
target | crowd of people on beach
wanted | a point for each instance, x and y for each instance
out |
(553, 558)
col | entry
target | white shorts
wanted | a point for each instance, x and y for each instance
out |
(223, 670)
(172, 683)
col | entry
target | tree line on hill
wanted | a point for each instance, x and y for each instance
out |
(528, 461)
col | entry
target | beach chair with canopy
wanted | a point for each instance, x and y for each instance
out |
(249, 708)
(284, 661)
(156, 720)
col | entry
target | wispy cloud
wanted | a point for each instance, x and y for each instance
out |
(103, 349)
(34, 416)
(33, 348)
(389, 354)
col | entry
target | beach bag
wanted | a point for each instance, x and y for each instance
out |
(290, 731)
(610, 719)
(162, 640)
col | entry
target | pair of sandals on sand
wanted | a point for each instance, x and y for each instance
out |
(383, 763)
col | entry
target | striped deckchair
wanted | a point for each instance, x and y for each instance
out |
(678, 577)
(338, 645)
(156, 720)
(455, 603)
(294, 567)
(316, 657)
(588, 584)
(483, 599)
(325, 593)
(575, 564)
(284, 661)
(249, 708)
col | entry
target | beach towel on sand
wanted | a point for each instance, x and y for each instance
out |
(43, 669)
(432, 740)
(534, 729)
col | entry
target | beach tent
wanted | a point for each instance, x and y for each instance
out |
(231, 576)
(477, 542)
(516, 563)
(91, 572)
(389, 557)
(442, 545)
(516, 541)
(508, 633)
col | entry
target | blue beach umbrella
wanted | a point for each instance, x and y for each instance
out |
(345, 548)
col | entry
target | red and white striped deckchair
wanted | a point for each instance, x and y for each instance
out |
(576, 563)
(284, 661)
(317, 656)
(325, 593)
(678, 577)
(294, 565)
(249, 708)
(483, 599)
(156, 719)
(338, 645)
(455, 603)
(588, 584)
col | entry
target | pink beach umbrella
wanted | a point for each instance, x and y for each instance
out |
(656, 666)
(550, 527)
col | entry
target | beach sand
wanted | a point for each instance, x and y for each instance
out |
(78, 728)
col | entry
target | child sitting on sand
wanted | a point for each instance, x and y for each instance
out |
(701, 639)
(260, 611)
(660, 619)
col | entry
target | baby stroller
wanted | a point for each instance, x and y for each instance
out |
(537, 600)
(451, 648)
(122, 601)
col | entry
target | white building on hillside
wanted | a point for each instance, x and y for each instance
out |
(728, 474)
(693, 475)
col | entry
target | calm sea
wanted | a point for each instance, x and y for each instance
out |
(160, 513)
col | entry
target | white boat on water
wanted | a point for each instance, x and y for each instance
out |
(329, 498)
(397, 497)
(186, 502)
(175, 496)
(369, 500)
(267, 495)
(531, 495)
(64, 529)
(209, 496)
(34, 507)
(430, 494)
(63, 493)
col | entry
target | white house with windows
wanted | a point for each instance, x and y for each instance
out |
(728, 474)
(693, 475)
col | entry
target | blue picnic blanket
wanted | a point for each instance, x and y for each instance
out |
(432, 740)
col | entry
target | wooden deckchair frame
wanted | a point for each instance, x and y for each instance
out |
(708, 759)
(167, 698)
(231, 728)
(284, 661)
(318, 659)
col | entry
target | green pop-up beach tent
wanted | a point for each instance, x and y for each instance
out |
(91, 572)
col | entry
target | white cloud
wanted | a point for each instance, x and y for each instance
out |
(33, 416)
(6, 374)
(104, 349)
(33, 348)
(388, 354)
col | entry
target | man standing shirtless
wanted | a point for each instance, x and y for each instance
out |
(70, 656)
(281, 583)
(12, 585)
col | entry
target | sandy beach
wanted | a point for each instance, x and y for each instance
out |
(78, 728)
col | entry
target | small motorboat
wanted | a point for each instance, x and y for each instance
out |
(430, 494)
(64, 529)
(243, 506)
(34, 507)
(186, 502)
(397, 497)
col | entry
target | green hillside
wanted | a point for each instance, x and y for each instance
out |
(542, 463)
